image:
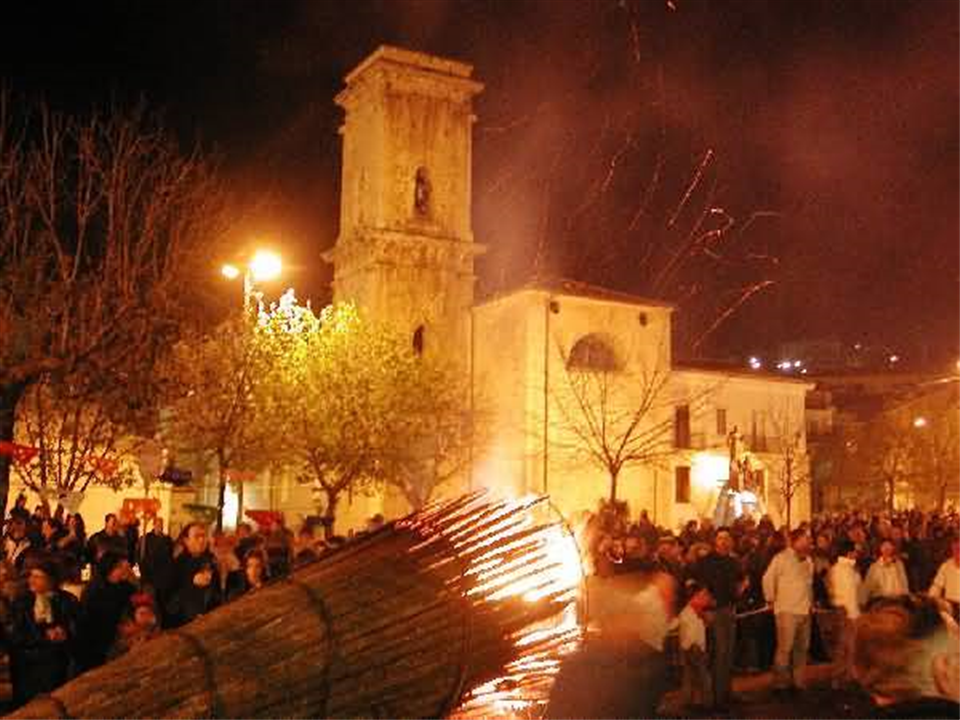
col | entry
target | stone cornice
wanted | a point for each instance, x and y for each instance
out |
(385, 246)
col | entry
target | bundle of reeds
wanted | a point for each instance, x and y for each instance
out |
(408, 622)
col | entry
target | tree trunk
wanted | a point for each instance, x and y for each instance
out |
(9, 399)
(240, 487)
(613, 486)
(221, 489)
(789, 511)
(333, 497)
(942, 499)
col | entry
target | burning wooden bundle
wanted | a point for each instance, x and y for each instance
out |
(448, 608)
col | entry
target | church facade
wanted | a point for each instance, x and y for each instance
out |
(572, 384)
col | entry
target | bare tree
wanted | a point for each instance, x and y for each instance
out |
(793, 462)
(78, 443)
(615, 417)
(104, 225)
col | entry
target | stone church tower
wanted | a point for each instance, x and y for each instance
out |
(405, 252)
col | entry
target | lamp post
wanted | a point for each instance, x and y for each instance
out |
(264, 265)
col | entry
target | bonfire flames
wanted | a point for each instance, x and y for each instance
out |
(508, 552)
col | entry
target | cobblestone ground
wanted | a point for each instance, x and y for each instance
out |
(755, 698)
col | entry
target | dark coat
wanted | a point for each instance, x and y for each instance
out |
(187, 601)
(156, 563)
(37, 664)
(104, 605)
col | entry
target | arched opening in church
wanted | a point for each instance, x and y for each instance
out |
(593, 352)
(418, 340)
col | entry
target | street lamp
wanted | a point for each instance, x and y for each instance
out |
(263, 266)
(920, 422)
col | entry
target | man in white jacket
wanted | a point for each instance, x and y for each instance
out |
(946, 585)
(788, 586)
(886, 577)
(845, 584)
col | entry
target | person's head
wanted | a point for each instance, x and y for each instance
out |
(144, 613)
(157, 524)
(21, 502)
(254, 568)
(698, 551)
(907, 648)
(699, 596)
(18, 528)
(195, 539)
(243, 531)
(48, 528)
(635, 547)
(846, 548)
(888, 550)
(114, 568)
(723, 542)
(42, 577)
(668, 549)
(823, 542)
(800, 542)
(110, 524)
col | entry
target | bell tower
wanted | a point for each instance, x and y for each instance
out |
(405, 252)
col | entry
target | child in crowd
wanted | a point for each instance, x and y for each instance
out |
(693, 646)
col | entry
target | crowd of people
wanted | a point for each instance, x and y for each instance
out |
(759, 597)
(69, 602)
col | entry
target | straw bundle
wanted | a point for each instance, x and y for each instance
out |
(407, 622)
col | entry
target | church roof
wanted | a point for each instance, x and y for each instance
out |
(577, 288)
(726, 368)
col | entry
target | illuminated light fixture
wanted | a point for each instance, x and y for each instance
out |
(797, 363)
(755, 363)
(920, 422)
(803, 372)
(894, 358)
(265, 265)
(230, 272)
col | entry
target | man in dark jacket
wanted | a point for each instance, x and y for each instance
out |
(155, 557)
(43, 636)
(104, 603)
(720, 572)
(196, 583)
(110, 539)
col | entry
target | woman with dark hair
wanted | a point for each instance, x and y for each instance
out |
(43, 634)
(250, 578)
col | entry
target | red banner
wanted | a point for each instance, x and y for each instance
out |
(21, 454)
(104, 466)
(264, 518)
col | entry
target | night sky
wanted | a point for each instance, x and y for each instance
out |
(840, 117)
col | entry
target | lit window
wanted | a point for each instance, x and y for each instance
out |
(592, 352)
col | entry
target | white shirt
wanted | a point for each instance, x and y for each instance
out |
(693, 632)
(886, 579)
(788, 583)
(844, 582)
(947, 582)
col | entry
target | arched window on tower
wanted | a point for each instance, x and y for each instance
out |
(593, 352)
(421, 192)
(418, 340)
